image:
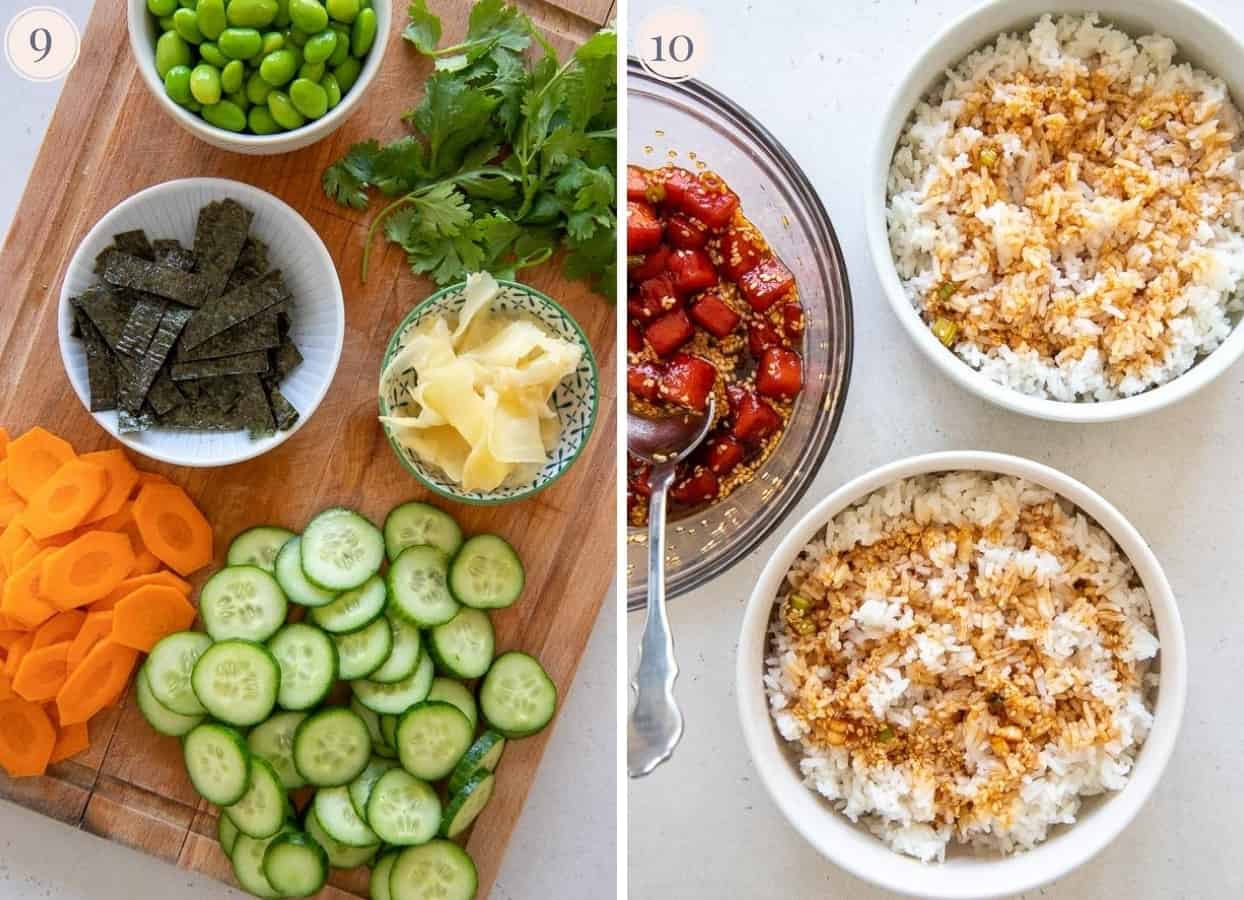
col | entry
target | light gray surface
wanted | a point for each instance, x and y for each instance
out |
(816, 74)
(564, 845)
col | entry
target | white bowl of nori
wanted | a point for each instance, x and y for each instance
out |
(215, 422)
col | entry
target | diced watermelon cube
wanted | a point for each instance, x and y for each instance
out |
(652, 266)
(792, 323)
(754, 419)
(675, 183)
(767, 283)
(761, 333)
(643, 228)
(634, 338)
(698, 486)
(685, 233)
(638, 477)
(780, 373)
(669, 332)
(656, 298)
(636, 183)
(715, 316)
(688, 380)
(692, 271)
(710, 201)
(724, 453)
(740, 253)
(644, 380)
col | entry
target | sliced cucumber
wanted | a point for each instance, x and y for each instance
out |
(168, 671)
(242, 602)
(340, 855)
(295, 865)
(158, 716)
(439, 869)
(417, 584)
(379, 743)
(226, 834)
(466, 805)
(457, 694)
(360, 788)
(218, 763)
(403, 810)
(354, 608)
(293, 582)
(331, 747)
(337, 815)
(404, 658)
(362, 652)
(378, 886)
(261, 811)
(463, 646)
(237, 682)
(308, 661)
(484, 755)
(388, 728)
(414, 523)
(258, 547)
(274, 741)
(517, 697)
(394, 699)
(340, 550)
(248, 858)
(486, 573)
(431, 738)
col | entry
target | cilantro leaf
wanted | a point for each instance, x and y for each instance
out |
(342, 185)
(424, 29)
(452, 115)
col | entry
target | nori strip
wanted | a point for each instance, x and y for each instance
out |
(282, 410)
(284, 358)
(236, 306)
(252, 411)
(164, 394)
(198, 417)
(252, 262)
(134, 243)
(107, 310)
(135, 389)
(101, 375)
(241, 364)
(128, 422)
(124, 270)
(141, 326)
(222, 393)
(219, 236)
(172, 253)
(256, 333)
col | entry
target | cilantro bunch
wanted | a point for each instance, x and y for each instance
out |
(510, 160)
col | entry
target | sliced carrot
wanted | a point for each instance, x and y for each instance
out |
(61, 627)
(120, 520)
(61, 503)
(70, 741)
(98, 625)
(13, 536)
(25, 553)
(149, 614)
(43, 673)
(145, 563)
(134, 582)
(33, 458)
(23, 597)
(6, 686)
(4, 442)
(11, 503)
(87, 569)
(95, 682)
(150, 478)
(27, 737)
(9, 636)
(17, 650)
(122, 477)
(173, 528)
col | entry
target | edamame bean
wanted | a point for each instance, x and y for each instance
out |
(295, 38)
(238, 98)
(278, 67)
(282, 14)
(261, 121)
(240, 43)
(188, 4)
(166, 23)
(161, 8)
(343, 10)
(226, 115)
(311, 71)
(177, 84)
(273, 40)
(251, 13)
(342, 50)
(331, 89)
(205, 83)
(186, 21)
(232, 76)
(210, 53)
(194, 105)
(308, 15)
(171, 51)
(257, 89)
(320, 47)
(283, 111)
(308, 98)
(212, 19)
(347, 73)
(363, 34)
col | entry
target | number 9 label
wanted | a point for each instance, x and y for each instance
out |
(41, 43)
(672, 43)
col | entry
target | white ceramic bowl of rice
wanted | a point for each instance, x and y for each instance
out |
(1070, 300)
(1048, 828)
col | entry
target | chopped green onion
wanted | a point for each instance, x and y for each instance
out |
(800, 602)
(945, 330)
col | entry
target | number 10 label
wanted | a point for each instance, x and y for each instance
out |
(41, 43)
(672, 43)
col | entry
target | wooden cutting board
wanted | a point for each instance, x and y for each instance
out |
(107, 140)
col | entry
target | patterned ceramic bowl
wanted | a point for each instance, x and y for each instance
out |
(575, 398)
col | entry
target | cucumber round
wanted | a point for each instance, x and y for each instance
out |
(378, 886)
(260, 812)
(218, 763)
(341, 550)
(337, 815)
(463, 646)
(419, 589)
(486, 573)
(388, 728)
(226, 834)
(331, 747)
(517, 697)
(431, 738)
(293, 582)
(248, 858)
(295, 865)
(353, 609)
(379, 743)
(308, 661)
(394, 699)
(242, 602)
(457, 694)
(361, 787)
(414, 523)
(363, 651)
(465, 806)
(340, 856)
(258, 547)
(168, 671)
(273, 739)
(439, 869)
(158, 716)
(404, 656)
(484, 755)
(237, 682)
(403, 810)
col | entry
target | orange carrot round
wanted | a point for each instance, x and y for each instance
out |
(95, 682)
(61, 503)
(98, 625)
(24, 598)
(26, 738)
(134, 582)
(149, 614)
(70, 741)
(43, 673)
(172, 527)
(122, 476)
(87, 569)
(33, 458)
(63, 626)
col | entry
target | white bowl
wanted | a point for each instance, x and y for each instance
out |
(963, 875)
(1200, 38)
(317, 314)
(143, 33)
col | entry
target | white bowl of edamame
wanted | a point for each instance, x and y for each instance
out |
(259, 76)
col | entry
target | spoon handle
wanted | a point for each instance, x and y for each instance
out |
(656, 722)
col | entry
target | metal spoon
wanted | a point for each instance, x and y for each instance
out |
(656, 722)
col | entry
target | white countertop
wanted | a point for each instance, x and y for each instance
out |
(702, 825)
(563, 846)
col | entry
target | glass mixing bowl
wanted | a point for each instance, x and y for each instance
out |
(688, 123)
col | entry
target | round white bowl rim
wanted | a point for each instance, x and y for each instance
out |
(904, 874)
(230, 187)
(920, 75)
